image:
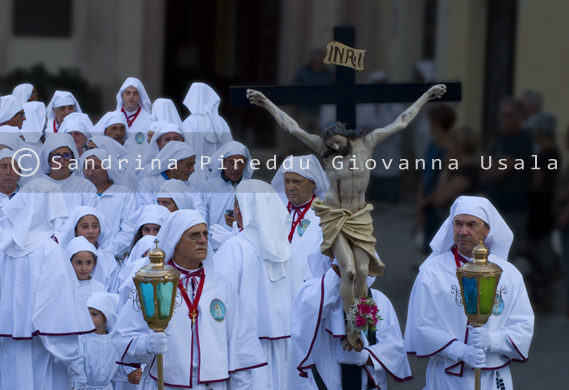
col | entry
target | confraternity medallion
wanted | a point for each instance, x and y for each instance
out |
(217, 310)
(302, 226)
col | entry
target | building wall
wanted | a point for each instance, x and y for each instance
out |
(542, 56)
(111, 40)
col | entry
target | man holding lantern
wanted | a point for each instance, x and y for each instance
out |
(210, 342)
(437, 326)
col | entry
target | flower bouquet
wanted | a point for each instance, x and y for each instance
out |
(363, 315)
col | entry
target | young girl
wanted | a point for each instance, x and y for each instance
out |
(147, 221)
(100, 353)
(83, 256)
(175, 195)
(91, 224)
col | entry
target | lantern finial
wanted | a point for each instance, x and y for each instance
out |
(157, 255)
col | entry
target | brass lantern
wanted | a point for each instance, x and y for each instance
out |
(478, 281)
(157, 286)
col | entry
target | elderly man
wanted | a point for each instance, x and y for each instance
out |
(298, 182)
(62, 104)
(9, 176)
(43, 311)
(11, 112)
(438, 328)
(258, 260)
(217, 350)
(229, 165)
(133, 102)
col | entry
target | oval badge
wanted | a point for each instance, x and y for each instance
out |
(139, 138)
(217, 310)
(498, 309)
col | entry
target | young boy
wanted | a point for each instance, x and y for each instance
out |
(100, 354)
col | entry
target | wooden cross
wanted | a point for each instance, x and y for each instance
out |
(346, 93)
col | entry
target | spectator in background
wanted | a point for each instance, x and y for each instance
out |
(543, 260)
(464, 180)
(508, 188)
(441, 120)
(423, 72)
(384, 184)
(532, 103)
(561, 209)
(314, 73)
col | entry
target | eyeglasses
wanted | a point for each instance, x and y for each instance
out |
(57, 157)
(195, 236)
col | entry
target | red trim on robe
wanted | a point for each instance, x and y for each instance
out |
(300, 367)
(385, 368)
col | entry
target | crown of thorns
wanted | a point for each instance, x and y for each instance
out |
(334, 127)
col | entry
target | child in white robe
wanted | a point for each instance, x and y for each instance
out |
(100, 354)
(147, 221)
(83, 256)
(91, 224)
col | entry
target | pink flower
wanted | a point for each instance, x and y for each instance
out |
(364, 309)
(374, 310)
(362, 300)
(360, 321)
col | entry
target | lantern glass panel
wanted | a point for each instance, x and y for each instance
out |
(487, 291)
(470, 294)
(148, 299)
(165, 299)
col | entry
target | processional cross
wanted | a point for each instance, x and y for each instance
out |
(352, 244)
(346, 93)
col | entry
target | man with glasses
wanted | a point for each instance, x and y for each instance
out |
(210, 338)
(508, 187)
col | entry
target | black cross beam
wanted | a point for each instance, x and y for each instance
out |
(345, 94)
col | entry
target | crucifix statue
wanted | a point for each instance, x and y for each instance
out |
(344, 215)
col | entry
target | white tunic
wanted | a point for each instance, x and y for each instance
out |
(267, 302)
(40, 297)
(117, 204)
(77, 191)
(106, 270)
(216, 197)
(90, 286)
(306, 240)
(140, 125)
(437, 326)
(100, 361)
(224, 349)
(149, 186)
(317, 321)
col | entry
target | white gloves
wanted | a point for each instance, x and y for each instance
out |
(220, 234)
(157, 342)
(481, 338)
(350, 357)
(474, 357)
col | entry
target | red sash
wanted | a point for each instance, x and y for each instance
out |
(192, 306)
(458, 258)
(299, 214)
(130, 118)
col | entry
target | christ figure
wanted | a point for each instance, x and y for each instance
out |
(344, 215)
